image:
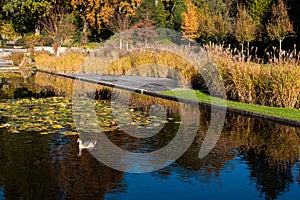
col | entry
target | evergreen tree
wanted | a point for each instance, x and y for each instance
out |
(179, 8)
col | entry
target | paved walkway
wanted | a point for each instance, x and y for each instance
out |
(141, 83)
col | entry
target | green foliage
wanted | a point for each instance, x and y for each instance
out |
(259, 8)
(25, 14)
(178, 10)
(160, 15)
(22, 42)
(31, 8)
(166, 13)
(32, 40)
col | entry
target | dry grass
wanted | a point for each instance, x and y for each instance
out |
(66, 63)
(162, 64)
(274, 84)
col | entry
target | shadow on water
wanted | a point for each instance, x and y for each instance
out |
(47, 167)
(252, 159)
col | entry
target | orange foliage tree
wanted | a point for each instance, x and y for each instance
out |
(280, 26)
(110, 14)
(191, 22)
(244, 28)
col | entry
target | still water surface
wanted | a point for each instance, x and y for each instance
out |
(252, 160)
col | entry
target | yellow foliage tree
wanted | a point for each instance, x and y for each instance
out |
(280, 26)
(7, 31)
(244, 28)
(191, 21)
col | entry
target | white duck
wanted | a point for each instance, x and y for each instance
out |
(89, 145)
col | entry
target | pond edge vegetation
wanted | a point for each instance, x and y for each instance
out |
(284, 116)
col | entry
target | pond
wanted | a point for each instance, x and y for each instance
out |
(39, 153)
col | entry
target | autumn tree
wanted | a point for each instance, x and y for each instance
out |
(280, 26)
(205, 21)
(100, 14)
(58, 24)
(244, 28)
(114, 15)
(221, 26)
(191, 21)
(214, 20)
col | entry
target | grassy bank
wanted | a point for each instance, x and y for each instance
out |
(197, 95)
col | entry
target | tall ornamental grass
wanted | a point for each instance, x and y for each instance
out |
(274, 84)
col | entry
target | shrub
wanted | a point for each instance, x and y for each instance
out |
(17, 58)
(22, 42)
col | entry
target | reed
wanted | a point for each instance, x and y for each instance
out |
(66, 63)
(273, 84)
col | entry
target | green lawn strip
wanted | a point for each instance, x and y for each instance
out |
(287, 113)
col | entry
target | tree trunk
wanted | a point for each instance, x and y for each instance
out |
(242, 52)
(37, 29)
(248, 50)
(58, 53)
(280, 43)
(55, 47)
(84, 37)
(121, 42)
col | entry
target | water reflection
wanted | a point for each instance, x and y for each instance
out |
(40, 167)
(252, 159)
(16, 87)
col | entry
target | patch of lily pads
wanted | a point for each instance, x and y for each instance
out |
(44, 115)
(54, 114)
